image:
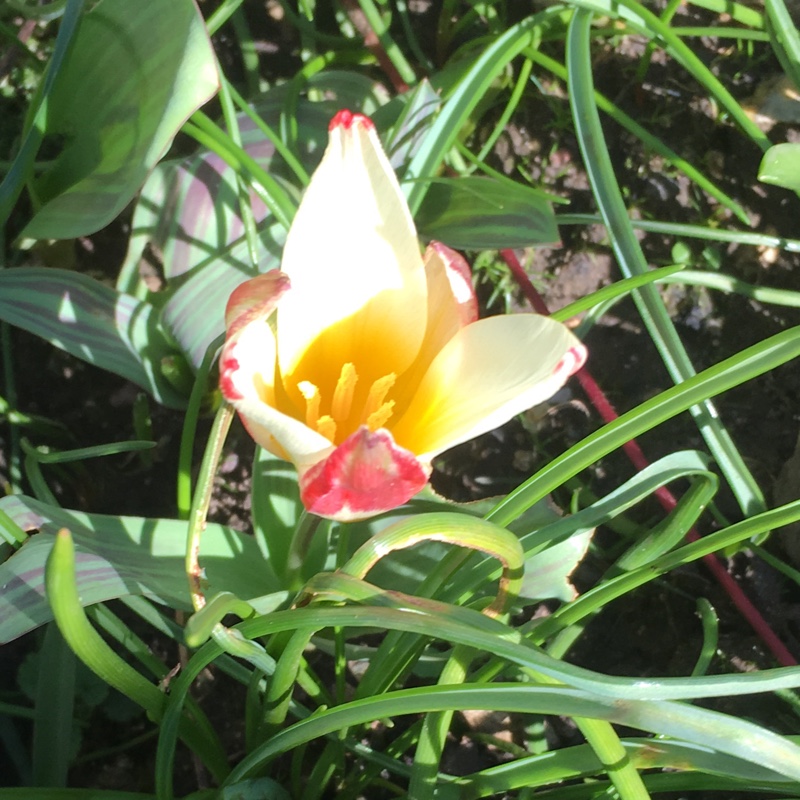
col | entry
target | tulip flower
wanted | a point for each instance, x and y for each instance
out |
(362, 359)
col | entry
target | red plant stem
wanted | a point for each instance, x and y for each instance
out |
(602, 405)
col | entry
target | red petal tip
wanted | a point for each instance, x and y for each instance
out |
(346, 119)
(572, 361)
(365, 475)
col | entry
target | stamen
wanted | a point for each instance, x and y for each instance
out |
(311, 395)
(377, 395)
(327, 427)
(377, 419)
(376, 410)
(343, 394)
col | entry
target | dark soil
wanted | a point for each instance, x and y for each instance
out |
(654, 631)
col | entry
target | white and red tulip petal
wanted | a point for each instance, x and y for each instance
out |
(375, 360)
(487, 373)
(365, 475)
(255, 299)
(459, 275)
(247, 375)
(354, 261)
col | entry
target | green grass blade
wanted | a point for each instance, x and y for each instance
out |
(463, 101)
(647, 23)
(744, 366)
(728, 735)
(652, 142)
(632, 262)
(785, 38)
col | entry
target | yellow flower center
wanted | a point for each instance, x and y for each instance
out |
(376, 411)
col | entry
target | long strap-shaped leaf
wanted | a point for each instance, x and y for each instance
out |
(632, 261)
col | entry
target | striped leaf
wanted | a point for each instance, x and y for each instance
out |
(111, 330)
(119, 556)
(478, 213)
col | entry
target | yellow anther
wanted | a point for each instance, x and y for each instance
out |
(377, 410)
(377, 395)
(327, 427)
(377, 419)
(311, 395)
(343, 394)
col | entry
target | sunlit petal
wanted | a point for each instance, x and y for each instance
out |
(488, 372)
(247, 370)
(366, 475)
(354, 261)
(459, 276)
(255, 299)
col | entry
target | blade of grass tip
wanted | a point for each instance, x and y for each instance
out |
(710, 622)
(631, 448)
(632, 261)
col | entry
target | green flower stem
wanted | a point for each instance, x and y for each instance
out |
(89, 647)
(202, 499)
(184, 482)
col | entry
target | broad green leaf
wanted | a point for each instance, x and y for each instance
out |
(407, 131)
(276, 506)
(119, 556)
(111, 330)
(781, 166)
(195, 314)
(476, 213)
(134, 74)
(547, 573)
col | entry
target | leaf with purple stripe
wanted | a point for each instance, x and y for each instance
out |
(93, 322)
(119, 556)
